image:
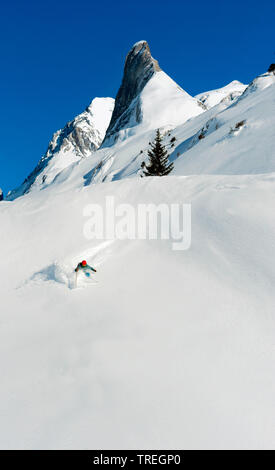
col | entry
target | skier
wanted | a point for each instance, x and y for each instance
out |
(83, 266)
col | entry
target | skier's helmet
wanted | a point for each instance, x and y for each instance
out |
(84, 262)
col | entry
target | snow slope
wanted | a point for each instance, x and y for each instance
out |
(236, 140)
(169, 350)
(164, 103)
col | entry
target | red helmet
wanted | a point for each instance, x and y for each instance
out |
(84, 262)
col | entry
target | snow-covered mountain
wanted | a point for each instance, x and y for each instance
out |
(170, 349)
(229, 92)
(78, 139)
(229, 121)
(148, 98)
(225, 139)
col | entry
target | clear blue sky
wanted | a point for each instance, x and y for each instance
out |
(56, 56)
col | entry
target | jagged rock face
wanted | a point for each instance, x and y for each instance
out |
(74, 137)
(138, 70)
(78, 139)
(1, 195)
(84, 134)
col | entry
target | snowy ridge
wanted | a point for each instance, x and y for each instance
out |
(229, 92)
(77, 140)
(260, 83)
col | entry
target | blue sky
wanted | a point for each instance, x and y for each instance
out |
(56, 56)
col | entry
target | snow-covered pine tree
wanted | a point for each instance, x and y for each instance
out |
(158, 159)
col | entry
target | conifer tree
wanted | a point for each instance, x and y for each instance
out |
(158, 159)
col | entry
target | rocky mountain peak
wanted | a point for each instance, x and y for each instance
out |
(139, 58)
(138, 70)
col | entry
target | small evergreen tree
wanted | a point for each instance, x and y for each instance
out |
(158, 159)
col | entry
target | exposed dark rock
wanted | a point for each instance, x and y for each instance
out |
(139, 68)
(272, 68)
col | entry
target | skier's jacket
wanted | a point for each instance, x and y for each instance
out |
(84, 268)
